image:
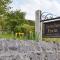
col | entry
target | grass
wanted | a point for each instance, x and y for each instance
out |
(31, 37)
(12, 36)
(8, 36)
(51, 39)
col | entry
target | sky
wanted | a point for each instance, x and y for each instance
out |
(30, 6)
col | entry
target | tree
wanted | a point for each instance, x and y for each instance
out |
(3, 11)
(15, 18)
(3, 6)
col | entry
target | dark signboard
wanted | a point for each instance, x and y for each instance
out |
(52, 29)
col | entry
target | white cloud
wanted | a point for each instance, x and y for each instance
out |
(44, 5)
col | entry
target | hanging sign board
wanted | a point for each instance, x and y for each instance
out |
(52, 29)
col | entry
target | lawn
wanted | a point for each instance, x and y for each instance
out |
(51, 39)
(12, 36)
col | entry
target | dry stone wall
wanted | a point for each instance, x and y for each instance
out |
(28, 50)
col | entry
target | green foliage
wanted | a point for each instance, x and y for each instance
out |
(16, 15)
(14, 21)
(30, 22)
(3, 10)
(3, 6)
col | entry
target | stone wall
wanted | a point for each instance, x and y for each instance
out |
(28, 50)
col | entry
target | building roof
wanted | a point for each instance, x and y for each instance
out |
(51, 20)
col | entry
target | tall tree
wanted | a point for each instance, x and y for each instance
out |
(3, 9)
